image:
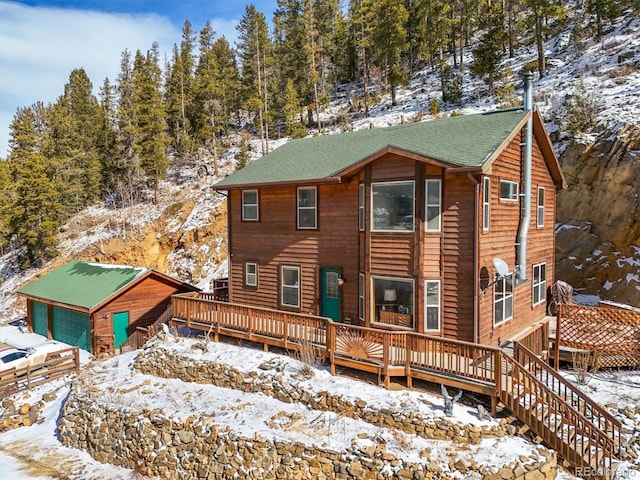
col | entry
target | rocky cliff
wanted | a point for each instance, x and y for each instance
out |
(598, 230)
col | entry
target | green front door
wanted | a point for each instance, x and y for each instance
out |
(120, 326)
(40, 319)
(330, 295)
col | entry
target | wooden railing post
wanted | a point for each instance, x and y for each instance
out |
(556, 353)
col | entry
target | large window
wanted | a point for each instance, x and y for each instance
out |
(361, 296)
(251, 274)
(486, 203)
(540, 206)
(432, 305)
(392, 206)
(503, 300)
(290, 286)
(539, 283)
(393, 300)
(433, 205)
(508, 190)
(361, 207)
(307, 208)
(250, 205)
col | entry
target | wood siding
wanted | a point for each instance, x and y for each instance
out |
(457, 253)
(500, 241)
(447, 256)
(274, 241)
(145, 301)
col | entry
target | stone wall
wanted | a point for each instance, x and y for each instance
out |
(162, 362)
(195, 448)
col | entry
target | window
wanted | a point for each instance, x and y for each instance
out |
(433, 206)
(393, 300)
(249, 205)
(361, 206)
(508, 190)
(361, 296)
(503, 300)
(432, 305)
(539, 283)
(251, 274)
(541, 206)
(307, 208)
(290, 286)
(486, 203)
(392, 206)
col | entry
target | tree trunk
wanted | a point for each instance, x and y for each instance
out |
(540, 43)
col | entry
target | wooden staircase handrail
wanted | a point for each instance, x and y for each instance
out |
(582, 398)
(602, 439)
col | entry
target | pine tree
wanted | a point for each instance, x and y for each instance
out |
(129, 179)
(602, 10)
(36, 212)
(151, 138)
(506, 90)
(106, 140)
(360, 26)
(291, 110)
(390, 40)
(215, 87)
(179, 92)
(75, 122)
(255, 55)
(541, 15)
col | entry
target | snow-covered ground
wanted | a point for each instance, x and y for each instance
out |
(36, 453)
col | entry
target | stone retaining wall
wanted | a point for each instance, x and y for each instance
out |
(196, 448)
(164, 363)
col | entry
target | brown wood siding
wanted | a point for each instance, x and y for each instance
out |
(392, 167)
(145, 301)
(392, 254)
(457, 257)
(274, 241)
(500, 241)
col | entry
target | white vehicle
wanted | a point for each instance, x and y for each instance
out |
(18, 358)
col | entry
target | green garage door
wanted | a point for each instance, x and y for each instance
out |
(71, 327)
(40, 322)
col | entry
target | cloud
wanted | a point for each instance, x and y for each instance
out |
(39, 47)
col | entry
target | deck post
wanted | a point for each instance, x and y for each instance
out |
(556, 343)
(497, 373)
(217, 307)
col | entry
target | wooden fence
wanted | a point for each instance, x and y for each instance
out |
(140, 335)
(57, 364)
(612, 335)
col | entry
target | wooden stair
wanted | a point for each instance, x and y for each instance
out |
(580, 430)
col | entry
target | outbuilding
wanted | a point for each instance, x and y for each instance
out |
(97, 306)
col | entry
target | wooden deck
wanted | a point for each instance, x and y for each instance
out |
(579, 429)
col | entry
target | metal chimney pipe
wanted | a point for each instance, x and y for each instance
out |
(525, 217)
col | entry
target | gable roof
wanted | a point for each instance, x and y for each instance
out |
(462, 141)
(87, 285)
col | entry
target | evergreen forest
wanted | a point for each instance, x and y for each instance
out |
(276, 80)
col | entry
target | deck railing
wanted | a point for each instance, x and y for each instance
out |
(575, 437)
(271, 327)
(580, 430)
(140, 335)
(568, 392)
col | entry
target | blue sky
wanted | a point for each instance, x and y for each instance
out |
(41, 42)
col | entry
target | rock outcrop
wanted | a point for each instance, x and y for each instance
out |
(598, 234)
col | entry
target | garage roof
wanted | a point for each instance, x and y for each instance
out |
(85, 284)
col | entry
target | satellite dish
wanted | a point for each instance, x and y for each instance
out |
(501, 267)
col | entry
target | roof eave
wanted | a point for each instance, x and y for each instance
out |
(549, 154)
(284, 183)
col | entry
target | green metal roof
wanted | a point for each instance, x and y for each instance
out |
(82, 284)
(465, 141)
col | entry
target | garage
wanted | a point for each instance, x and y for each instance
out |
(97, 306)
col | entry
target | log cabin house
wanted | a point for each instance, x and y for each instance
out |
(96, 306)
(443, 227)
